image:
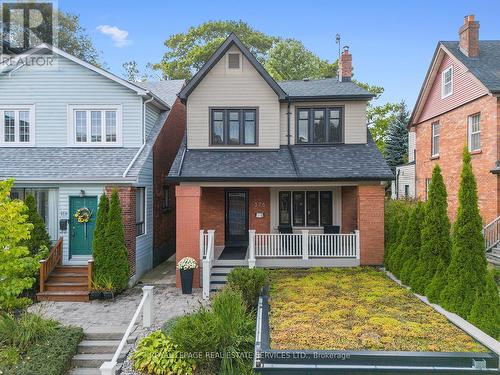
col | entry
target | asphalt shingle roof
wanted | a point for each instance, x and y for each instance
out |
(165, 90)
(297, 162)
(486, 66)
(328, 87)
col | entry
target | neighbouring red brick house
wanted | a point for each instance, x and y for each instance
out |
(458, 105)
(276, 174)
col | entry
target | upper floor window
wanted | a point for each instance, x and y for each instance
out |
(234, 61)
(18, 126)
(233, 127)
(474, 132)
(447, 82)
(320, 125)
(95, 126)
(435, 139)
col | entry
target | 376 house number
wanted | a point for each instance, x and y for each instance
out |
(259, 204)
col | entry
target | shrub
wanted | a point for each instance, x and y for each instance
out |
(157, 355)
(468, 266)
(396, 215)
(39, 238)
(17, 266)
(412, 241)
(249, 281)
(435, 247)
(116, 266)
(227, 330)
(485, 313)
(166, 328)
(395, 259)
(99, 250)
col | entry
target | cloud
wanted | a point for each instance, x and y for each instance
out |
(118, 36)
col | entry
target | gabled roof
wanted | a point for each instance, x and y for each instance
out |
(335, 162)
(328, 88)
(231, 40)
(132, 86)
(485, 68)
(165, 90)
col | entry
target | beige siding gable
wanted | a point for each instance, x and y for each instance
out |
(243, 87)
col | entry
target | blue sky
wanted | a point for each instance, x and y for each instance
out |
(392, 42)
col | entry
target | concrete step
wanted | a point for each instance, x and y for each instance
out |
(99, 346)
(230, 262)
(63, 296)
(108, 333)
(84, 371)
(216, 277)
(493, 259)
(55, 286)
(94, 360)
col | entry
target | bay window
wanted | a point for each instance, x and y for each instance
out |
(305, 208)
(95, 126)
(233, 127)
(18, 126)
(319, 125)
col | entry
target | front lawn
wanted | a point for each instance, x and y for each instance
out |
(355, 309)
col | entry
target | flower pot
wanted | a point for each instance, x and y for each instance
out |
(95, 294)
(187, 281)
(108, 294)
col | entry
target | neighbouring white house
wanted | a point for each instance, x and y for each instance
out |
(404, 184)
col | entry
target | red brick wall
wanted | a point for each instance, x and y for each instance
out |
(349, 209)
(453, 137)
(164, 152)
(259, 200)
(188, 227)
(371, 223)
(127, 201)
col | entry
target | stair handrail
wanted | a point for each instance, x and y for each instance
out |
(491, 233)
(146, 305)
(47, 265)
(207, 263)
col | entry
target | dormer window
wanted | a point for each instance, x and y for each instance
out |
(447, 82)
(234, 61)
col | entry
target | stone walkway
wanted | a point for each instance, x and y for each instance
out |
(169, 302)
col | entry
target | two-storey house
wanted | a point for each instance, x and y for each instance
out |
(404, 184)
(276, 173)
(459, 106)
(75, 131)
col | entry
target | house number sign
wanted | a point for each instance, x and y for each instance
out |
(259, 204)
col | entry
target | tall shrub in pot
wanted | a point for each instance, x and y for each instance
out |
(186, 267)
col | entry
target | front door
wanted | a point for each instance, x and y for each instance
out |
(81, 233)
(236, 218)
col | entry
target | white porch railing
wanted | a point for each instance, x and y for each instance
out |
(491, 233)
(146, 305)
(207, 253)
(302, 245)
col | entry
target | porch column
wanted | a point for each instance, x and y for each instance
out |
(371, 223)
(188, 227)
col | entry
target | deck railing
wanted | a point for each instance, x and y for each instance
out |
(48, 265)
(491, 233)
(207, 255)
(303, 245)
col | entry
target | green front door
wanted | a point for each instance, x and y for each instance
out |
(81, 234)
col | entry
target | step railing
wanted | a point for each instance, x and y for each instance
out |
(491, 233)
(302, 245)
(146, 306)
(207, 255)
(47, 265)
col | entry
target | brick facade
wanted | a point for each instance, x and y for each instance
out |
(127, 201)
(370, 207)
(259, 201)
(164, 152)
(349, 209)
(453, 137)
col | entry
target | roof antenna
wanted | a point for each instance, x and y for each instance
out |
(337, 41)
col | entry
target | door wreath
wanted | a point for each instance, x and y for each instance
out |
(83, 215)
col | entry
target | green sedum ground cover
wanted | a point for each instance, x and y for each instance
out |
(355, 309)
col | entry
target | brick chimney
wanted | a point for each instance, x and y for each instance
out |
(345, 65)
(469, 37)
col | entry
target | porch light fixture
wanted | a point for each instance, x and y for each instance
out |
(82, 193)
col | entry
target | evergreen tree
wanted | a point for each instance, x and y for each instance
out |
(394, 216)
(393, 249)
(39, 238)
(411, 253)
(405, 248)
(436, 242)
(396, 146)
(99, 248)
(468, 266)
(117, 267)
(485, 312)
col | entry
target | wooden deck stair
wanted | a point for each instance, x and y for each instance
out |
(66, 283)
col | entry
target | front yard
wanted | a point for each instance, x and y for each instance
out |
(355, 309)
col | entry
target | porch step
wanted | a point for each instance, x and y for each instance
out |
(54, 286)
(63, 296)
(493, 257)
(71, 269)
(84, 371)
(68, 277)
(100, 346)
(95, 360)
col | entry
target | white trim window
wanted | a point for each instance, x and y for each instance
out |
(474, 132)
(18, 126)
(95, 126)
(140, 211)
(447, 82)
(435, 139)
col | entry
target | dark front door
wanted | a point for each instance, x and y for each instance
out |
(236, 218)
(81, 234)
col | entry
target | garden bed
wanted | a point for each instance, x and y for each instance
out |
(359, 318)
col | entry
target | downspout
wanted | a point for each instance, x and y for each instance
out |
(143, 137)
(397, 183)
(288, 114)
(289, 135)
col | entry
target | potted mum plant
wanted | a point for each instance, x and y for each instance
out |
(186, 266)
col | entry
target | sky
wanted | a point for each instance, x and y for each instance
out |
(392, 42)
